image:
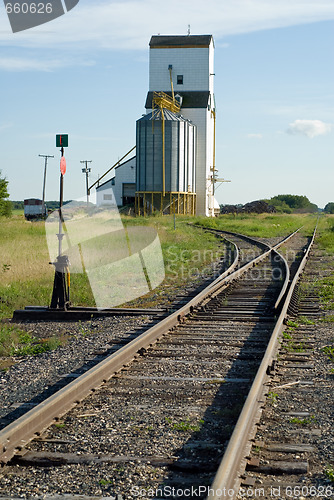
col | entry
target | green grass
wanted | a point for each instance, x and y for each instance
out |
(303, 421)
(17, 342)
(106, 482)
(60, 425)
(26, 277)
(324, 288)
(292, 324)
(326, 238)
(187, 251)
(185, 425)
(18, 212)
(25, 272)
(328, 319)
(272, 397)
(329, 351)
(294, 346)
(329, 473)
(326, 291)
(9, 338)
(302, 320)
(263, 225)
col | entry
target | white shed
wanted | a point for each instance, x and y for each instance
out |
(121, 188)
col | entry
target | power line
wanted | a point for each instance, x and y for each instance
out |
(46, 163)
(86, 171)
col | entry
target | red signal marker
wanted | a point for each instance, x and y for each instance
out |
(63, 165)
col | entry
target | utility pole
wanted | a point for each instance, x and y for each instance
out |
(86, 171)
(46, 163)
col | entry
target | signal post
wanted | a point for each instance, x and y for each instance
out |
(61, 286)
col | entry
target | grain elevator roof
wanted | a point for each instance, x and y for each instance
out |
(190, 99)
(168, 115)
(166, 41)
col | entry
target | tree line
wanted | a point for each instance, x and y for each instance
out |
(289, 203)
(5, 204)
(292, 203)
(281, 203)
(284, 203)
(51, 205)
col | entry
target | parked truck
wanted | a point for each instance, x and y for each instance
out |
(33, 209)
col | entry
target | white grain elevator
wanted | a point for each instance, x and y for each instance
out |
(175, 157)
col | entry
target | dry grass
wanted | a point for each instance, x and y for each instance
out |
(24, 254)
(26, 277)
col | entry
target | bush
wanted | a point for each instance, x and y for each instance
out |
(289, 203)
(329, 208)
(5, 205)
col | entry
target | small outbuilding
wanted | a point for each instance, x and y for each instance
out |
(121, 188)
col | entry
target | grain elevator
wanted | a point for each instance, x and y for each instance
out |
(175, 140)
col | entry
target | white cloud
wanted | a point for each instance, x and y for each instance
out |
(31, 64)
(309, 128)
(4, 126)
(128, 24)
(222, 45)
(255, 136)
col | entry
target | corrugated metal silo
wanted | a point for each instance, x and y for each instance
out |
(165, 159)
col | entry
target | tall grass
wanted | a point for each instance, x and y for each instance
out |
(26, 277)
(17, 342)
(326, 236)
(262, 225)
(23, 251)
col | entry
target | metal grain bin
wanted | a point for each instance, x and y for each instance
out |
(180, 145)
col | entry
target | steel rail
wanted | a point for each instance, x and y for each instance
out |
(242, 236)
(274, 249)
(227, 481)
(286, 281)
(17, 434)
(286, 284)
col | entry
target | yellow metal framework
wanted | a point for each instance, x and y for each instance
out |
(213, 168)
(151, 202)
(107, 172)
(163, 100)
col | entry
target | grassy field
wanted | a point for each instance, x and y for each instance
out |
(26, 277)
(263, 225)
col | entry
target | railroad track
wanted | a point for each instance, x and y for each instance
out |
(177, 391)
(292, 448)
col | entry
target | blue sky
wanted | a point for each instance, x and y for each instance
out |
(86, 74)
